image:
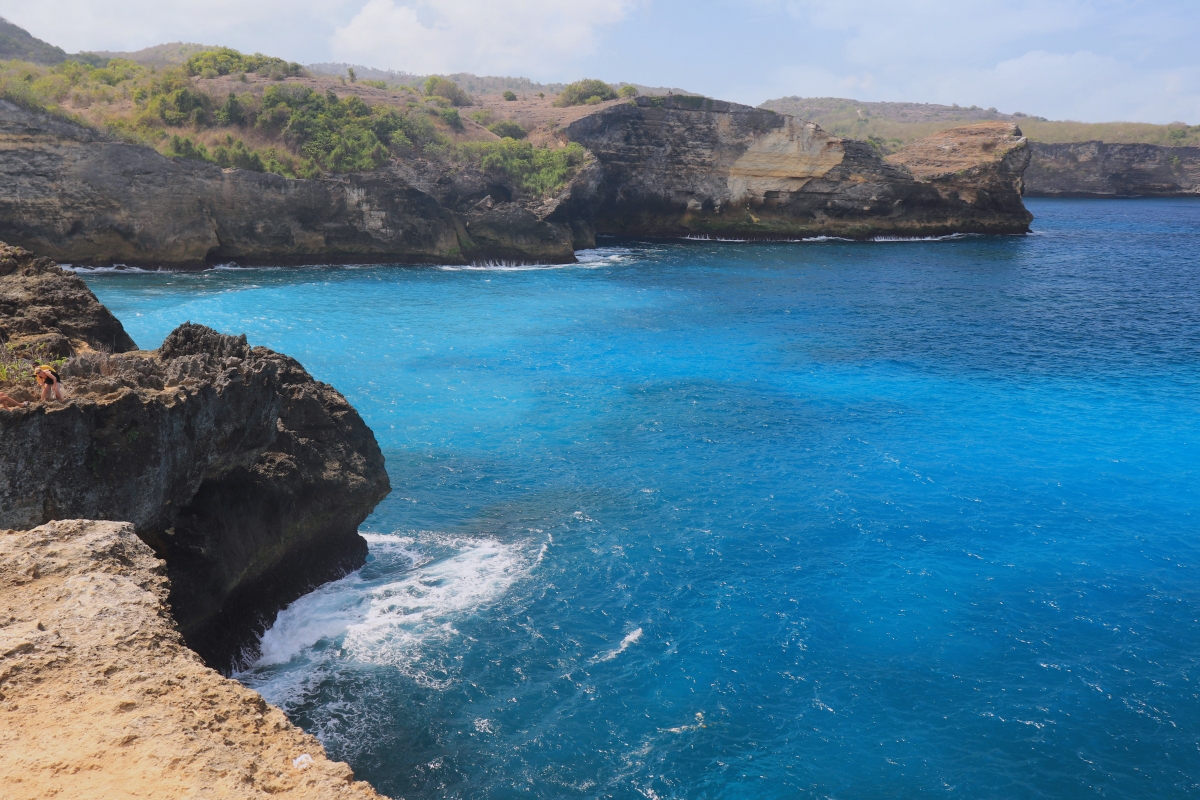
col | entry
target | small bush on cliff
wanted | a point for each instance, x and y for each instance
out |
(540, 171)
(510, 96)
(589, 91)
(628, 91)
(437, 86)
(507, 129)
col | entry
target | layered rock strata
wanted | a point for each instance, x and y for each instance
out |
(246, 475)
(688, 166)
(1097, 169)
(99, 697)
(78, 196)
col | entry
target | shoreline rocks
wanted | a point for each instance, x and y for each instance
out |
(246, 475)
(691, 166)
(99, 697)
(663, 167)
(1099, 169)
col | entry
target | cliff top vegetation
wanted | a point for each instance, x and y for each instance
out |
(262, 113)
(891, 126)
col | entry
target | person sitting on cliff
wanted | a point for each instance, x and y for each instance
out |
(6, 401)
(47, 378)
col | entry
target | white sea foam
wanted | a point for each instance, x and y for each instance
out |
(586, 259)
(630, 639)
(404, 617)
(116, 269)
(402, 623)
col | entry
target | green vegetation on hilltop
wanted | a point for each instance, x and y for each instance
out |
(540, 171)
(586, 92)
(285, 126)
(438, 86)
(507, 129)
(225, 61)
(306, 132)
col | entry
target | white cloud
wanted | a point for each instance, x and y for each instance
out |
(529, 37)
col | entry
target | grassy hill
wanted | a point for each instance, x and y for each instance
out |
(17, 42)
(173, 54)
(890, 126)
(264, 114)
(471, 83)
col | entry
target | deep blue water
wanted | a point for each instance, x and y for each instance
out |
(726, 521)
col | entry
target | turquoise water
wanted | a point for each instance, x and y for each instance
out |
(894, 519)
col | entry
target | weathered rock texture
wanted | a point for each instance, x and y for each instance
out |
(681, 166)
(249, 477)
(41, 303)
(99, 697)
(75, 195)
(1097, 169)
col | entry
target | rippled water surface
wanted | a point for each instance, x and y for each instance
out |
(721, 521)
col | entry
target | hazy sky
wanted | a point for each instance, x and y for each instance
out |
(1092, 60)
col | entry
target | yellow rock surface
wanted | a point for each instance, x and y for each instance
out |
(100, 698)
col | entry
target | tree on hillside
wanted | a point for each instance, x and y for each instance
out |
(586, 92)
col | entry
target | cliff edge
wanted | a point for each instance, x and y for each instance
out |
(1100, 169)
(99, 697)
(692, 166)
(245, 474)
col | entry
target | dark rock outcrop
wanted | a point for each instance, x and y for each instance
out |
(1098, 169)
(246, 475)
(79, 197)
(686, 166)
(40, 302)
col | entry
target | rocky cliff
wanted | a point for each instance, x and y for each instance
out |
(78, 196)
(685, 166)
(1097, 169)
(664, 167)
(99, 698)
(246, 475)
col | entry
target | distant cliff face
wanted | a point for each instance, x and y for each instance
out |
(246, 475)
(1097, 169)
(75, 196)
(681, 166)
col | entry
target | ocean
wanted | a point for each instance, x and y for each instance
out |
(726, 520)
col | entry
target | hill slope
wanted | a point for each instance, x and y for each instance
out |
(19, 43)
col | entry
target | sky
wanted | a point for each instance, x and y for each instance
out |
(1089, 60)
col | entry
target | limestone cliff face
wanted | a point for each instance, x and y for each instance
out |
(78, 197)
(681, 166)
(1097, 169)
(99, 697)
(249, 477)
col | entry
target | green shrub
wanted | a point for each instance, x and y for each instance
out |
(540, 171)
(582, 92)
(507, 129)
(484, 116)
(234, 153)
(510, 96)
(184, 147)
(225, 60)
(628, 91)
(437, 86)
(375, 84)
(450, 117)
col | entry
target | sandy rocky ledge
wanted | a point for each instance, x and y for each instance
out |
(100, 698)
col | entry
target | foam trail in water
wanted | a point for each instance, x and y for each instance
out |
(400, 618)
(630, 638)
